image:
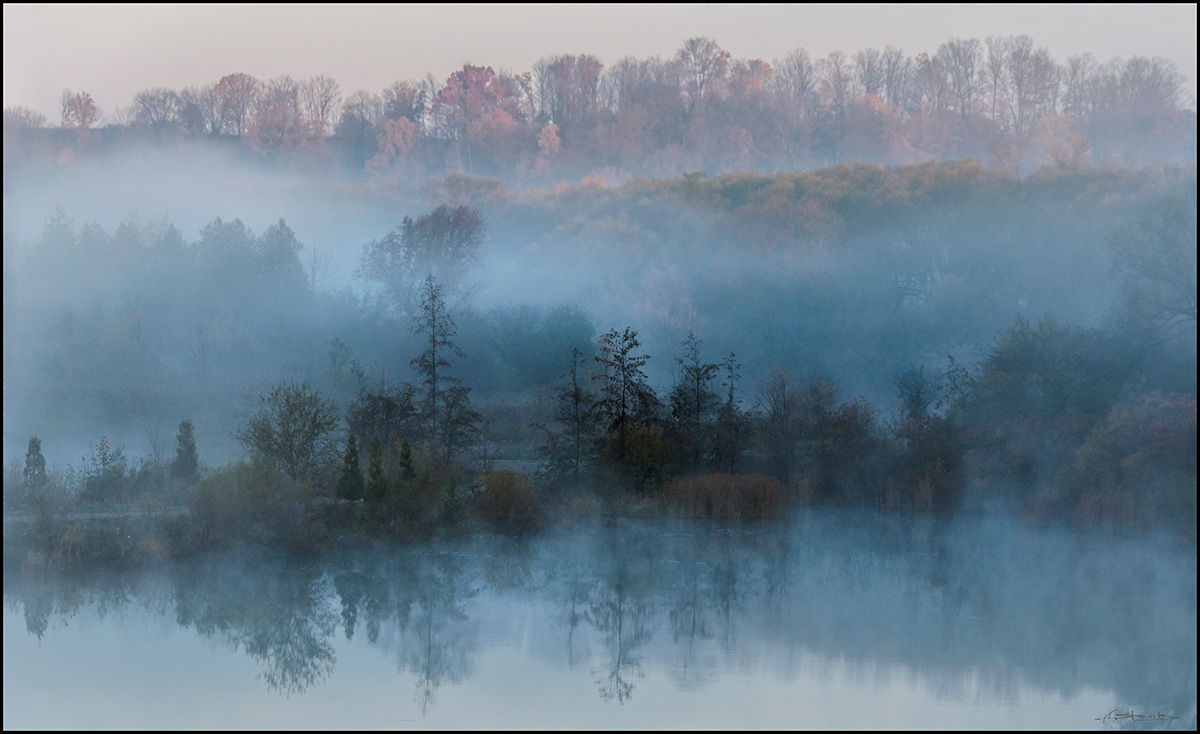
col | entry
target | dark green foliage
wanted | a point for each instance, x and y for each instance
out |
(730, 428)
(387, 414)
(35, 467)
(927, 471)
(1038, 395)
(625, 398)
(105, 473)
(407, 470)
(186, 466)
(641, 456)
(292, 432)
(376, 489)
(350, 485)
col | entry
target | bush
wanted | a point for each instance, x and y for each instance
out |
(509, 501)
(250, 502)
(727, 496)
(1139, 465)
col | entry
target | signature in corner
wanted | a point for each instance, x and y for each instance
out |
(1117, 715)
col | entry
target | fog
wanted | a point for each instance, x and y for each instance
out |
(855, 292)
(930, 621)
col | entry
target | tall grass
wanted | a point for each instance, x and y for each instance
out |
(727, 496)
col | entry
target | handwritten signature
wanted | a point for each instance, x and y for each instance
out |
(1116, 715)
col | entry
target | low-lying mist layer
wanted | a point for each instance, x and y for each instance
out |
(120, 326)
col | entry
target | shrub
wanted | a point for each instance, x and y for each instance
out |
(509, 501)
(727, 496)
(251, 502)
(1139, 465)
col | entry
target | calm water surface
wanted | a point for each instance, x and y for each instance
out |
(830, 621)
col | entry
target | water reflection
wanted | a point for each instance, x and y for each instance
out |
(965, 608)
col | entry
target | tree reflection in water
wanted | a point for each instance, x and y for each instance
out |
(282, 618)
(958, 604)
(621, 608)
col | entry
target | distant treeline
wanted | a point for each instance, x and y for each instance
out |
(1003, 100)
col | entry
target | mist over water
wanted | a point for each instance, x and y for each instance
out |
(838, 619)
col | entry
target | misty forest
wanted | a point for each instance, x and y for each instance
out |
(954, 329)
(273, 315)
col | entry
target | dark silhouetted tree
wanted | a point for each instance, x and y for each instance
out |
(442, 244)
(692, 401)
(625, 397)
(446, 405)
(350, 485)
(377, 487)
(35, 466)
(292, 431)
(186, 466)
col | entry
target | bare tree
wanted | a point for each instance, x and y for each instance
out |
(869, 71)
(157, 108)
(321, 97)
(704, 64)
(1157, 253)
(796, 77)
(962, 60)
(897, 77)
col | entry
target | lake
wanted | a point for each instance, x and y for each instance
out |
(829, 620)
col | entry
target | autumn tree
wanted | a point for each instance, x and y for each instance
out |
(237, 94)
(80, 112)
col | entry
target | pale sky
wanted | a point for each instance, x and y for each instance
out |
(114, 51)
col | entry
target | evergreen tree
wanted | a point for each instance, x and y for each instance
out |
(730, 419)
(567, 452)
(350, 485)
(692, 401)
(35, 466)
(407, 471)
(187, 464)
(625, 396)
(376, 489)
(446, 407)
